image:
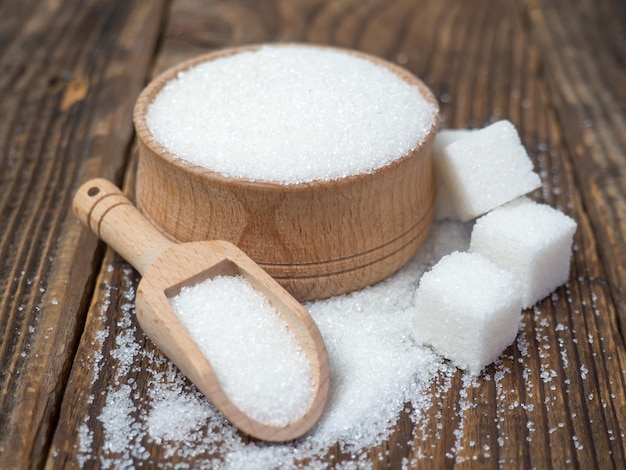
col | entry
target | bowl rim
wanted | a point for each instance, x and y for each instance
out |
(148, 94)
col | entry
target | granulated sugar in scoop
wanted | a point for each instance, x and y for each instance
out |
(257, 360)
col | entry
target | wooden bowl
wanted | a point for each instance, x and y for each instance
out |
(317, 239)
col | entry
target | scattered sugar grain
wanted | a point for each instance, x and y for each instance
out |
(290, 114)
(256, 359)
(376, 315)
(361, 410)
(583, 371)
(117, 423)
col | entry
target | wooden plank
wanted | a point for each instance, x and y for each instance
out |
(557, 396)
(483, 68)
(93, 369)
(583, 49)
(70, 71)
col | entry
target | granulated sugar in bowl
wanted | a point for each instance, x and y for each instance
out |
(315, 161)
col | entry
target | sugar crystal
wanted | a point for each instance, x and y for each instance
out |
(290, 114)
(359, 329)
(257, 360)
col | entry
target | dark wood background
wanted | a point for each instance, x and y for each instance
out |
(70, 72)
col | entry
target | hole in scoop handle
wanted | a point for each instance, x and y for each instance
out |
(101, 206)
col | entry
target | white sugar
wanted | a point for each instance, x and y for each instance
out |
(256, 358)
(290, 114)
(377, 369)
(374, 365)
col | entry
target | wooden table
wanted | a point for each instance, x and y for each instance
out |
(70, 72)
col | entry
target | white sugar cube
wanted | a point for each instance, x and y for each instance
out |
(532, 240)
(468, 310)
(486, 169)
(444, 209)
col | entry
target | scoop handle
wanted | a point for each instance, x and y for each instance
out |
(101, 206)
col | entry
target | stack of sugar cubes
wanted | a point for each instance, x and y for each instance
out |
(469, 305)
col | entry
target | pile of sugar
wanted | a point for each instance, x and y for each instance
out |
(377, 369)
(290, 114)
(256, 359)
(165, 411)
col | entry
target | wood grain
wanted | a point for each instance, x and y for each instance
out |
(583, 52)
(556, 399)
(108, 213)
(69, 75)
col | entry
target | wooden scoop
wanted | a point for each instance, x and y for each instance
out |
(167, 267)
